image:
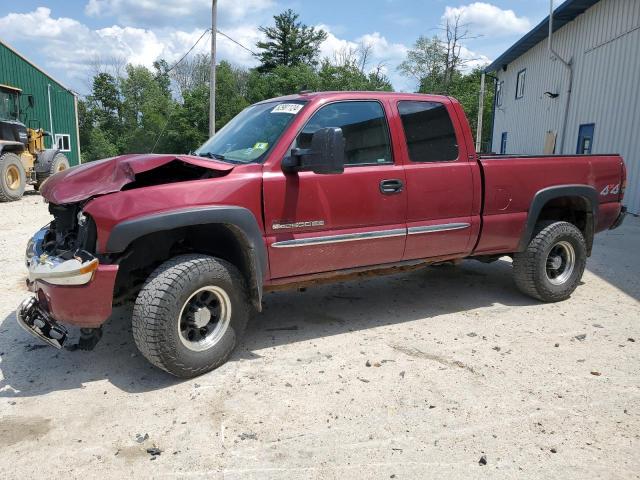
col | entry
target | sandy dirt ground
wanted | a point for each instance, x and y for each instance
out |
(412, 376)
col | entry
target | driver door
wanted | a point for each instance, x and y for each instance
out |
(319, 223)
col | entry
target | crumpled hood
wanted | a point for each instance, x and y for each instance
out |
(110, 175)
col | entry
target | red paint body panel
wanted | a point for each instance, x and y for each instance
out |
(241, 187)
(110, 175)
(86, 306)
(491, 194)
(510, 184)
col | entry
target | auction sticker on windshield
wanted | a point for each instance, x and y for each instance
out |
(291, 108)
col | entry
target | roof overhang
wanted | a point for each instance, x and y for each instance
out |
(9, 87)
(562, 15)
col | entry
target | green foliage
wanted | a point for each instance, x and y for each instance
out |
(289, 43)
(99, 146)
(426, 63)
(350, 77)
(188, 127)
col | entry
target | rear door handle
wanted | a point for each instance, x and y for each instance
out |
(391, 186)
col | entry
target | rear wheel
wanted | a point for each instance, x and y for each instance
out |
(190, 314)
(58, 164)
(551, 267)
(12, 177)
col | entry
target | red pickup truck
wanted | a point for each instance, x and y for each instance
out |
(294, 191)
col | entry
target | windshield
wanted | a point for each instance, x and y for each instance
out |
(249, 136)
(8, 105)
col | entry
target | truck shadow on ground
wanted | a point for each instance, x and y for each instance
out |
(30, 369)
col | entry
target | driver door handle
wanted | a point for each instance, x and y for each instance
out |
(391, 186)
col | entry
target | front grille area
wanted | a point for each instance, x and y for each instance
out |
(66, 234)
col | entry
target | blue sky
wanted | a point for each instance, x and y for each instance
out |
(68, 38)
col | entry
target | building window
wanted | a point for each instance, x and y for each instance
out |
(520, 83)
(499, 93)
(429, 132)
(503, 143)
(63, 142)
(585, 139)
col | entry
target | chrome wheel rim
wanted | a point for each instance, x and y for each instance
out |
(204, 318)
(561, 262)
(12, 177)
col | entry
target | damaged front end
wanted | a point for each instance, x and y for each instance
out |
(61, 253)
(61, 265)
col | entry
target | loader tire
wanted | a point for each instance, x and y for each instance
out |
(13, 178)
(58, 164)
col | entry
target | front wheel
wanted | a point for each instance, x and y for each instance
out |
(12, 177)
(190, 313)
(551, 267)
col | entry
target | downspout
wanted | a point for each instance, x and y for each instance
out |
(75, 106)
(50, 114)
(569, 66)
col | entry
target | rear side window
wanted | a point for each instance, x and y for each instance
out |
(429, 131)
(363, 125)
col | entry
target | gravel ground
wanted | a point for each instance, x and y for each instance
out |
(408, 376)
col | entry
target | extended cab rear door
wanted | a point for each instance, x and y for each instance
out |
(443, 178)
(321, 223)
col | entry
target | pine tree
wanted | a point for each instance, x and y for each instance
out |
(289, 43)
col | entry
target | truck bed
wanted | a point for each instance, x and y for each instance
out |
(511, 182)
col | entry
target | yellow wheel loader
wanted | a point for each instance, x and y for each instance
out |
(23, 158)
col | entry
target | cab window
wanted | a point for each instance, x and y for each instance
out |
(429, 132)
(363, 125)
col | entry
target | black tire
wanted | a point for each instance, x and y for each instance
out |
(157, 314)
(13, 178)
(58, 164)
(535, 269)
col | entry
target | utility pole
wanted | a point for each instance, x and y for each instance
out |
(212, 77)
(480, 113)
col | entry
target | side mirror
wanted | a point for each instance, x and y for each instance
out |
(31, 101)
(326, 155)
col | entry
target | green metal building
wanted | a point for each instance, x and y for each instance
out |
(55, 107)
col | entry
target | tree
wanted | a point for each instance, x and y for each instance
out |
(146, 106)
(349, 77)
(289, 43)
(455, 33)
(466, 89)
(230, 84)
(282, 80)
(191, 73)
(99, 146)
(188, 126)
(426, 64)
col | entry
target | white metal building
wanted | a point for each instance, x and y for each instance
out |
(590, 90)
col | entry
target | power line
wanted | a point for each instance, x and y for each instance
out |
(208, 30)
(189, 51)
(237, 42)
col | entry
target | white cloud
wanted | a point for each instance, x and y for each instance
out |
(36, 24)
(383, 52)
(73, 48)
(154, 12)
(473, 59)
(69, 48)
(485, 18)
